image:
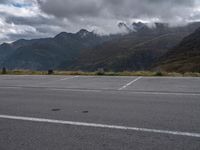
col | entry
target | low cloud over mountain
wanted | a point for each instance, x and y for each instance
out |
(43, 18)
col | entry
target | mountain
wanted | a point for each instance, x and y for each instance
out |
(124, 27)
(43, 54)
(7, 49)
(142, 46)
(185, 57)
(138, 26)
(137, 50)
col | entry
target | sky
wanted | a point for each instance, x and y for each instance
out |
(30, 19)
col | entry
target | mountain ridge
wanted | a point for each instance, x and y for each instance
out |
(84, 50)
(134, 51)
(41, 54)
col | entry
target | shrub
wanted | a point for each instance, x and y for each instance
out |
(159, 73)
(50, 72)
(100, 72)
(4, 70)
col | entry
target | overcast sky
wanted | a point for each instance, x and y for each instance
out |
(45, 18)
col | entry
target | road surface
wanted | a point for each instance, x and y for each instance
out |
(89, 113)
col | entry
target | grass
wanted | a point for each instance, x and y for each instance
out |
(23, 72)
(125, 73)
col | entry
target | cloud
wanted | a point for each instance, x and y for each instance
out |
(104, 14)
(3, 1)
(71, 8)
(163, 9)
(43, 18)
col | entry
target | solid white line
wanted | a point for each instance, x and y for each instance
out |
(91, 90)
(128, 84)
(11, 87)
(197, 135)
(69, 78)
(166, 93)
(54, 89)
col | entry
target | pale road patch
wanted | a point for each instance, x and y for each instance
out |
(67, 78)
(41, 120)
(128, 84)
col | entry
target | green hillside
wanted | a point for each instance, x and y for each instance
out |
(185, 57)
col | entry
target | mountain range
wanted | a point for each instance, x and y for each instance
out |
(138, 50)
(42, 54)
(141, 48)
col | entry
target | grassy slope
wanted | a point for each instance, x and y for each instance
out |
(185, 57)
(129, 53)
(81, 73)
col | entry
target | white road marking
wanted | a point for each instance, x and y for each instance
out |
(11, 87)
(95, 125)
(165, 93)
(55, 81)
(53, 89)
(67, 78)
(103, 90)
(128, 84)
(75, 90)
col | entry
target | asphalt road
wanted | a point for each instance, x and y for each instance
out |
(99, 113)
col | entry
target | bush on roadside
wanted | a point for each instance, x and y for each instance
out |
(159, 73)
(100, 72)
(4, 70)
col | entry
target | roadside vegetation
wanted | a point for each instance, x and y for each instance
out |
(100, 73)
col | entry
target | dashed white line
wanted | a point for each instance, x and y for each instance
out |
(128, 84)
(95, 125)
